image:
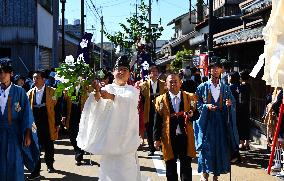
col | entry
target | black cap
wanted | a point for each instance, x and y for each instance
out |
(18, 77)
(215, 62)
(122, 61)
(152, 65)
(6, 65)
(226, 63)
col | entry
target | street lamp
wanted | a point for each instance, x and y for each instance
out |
(63, 28)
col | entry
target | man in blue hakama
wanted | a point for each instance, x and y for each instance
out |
(18, 141)
(215, 131)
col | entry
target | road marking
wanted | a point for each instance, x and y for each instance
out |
(160, 166)
(194, 172)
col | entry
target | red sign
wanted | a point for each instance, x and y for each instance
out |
(204, 63)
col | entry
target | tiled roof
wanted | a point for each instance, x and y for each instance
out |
(177, 18)
(243, 36)
(254, 6)
(165, 60)
(182, 39)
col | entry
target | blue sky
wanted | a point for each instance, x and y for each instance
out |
(116, 11)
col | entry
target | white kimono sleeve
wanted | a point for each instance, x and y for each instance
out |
(92, 123)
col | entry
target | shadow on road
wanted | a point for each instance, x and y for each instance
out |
(147, 169)
(59, 151)
(145, 157)
(87, 162)
(69, 176)
(63, 142)
(254, 159)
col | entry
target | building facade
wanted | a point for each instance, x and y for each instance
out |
(243, 45)
(184, 28)
(73, 29)
(27, 33)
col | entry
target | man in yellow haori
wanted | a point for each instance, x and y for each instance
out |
(176, 110)
(43, 103)
(150, 89)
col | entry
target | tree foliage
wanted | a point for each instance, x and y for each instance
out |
(184, 55)
(136, 29)
(75, 75)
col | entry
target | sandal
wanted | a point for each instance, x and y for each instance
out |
(204, 177)
(247, 148)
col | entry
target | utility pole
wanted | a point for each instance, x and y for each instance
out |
(55, 10)
(111, 55)
(82, 18)
(93, 44)
(150, 13)
(102, 41)
(200, 10)
(136, 6)
(63, 29)
(210, 32)
(150, 25)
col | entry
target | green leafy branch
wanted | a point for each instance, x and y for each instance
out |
(184, 55)
(74, 77)
(136, 29)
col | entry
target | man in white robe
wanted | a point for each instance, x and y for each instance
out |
(109, 126)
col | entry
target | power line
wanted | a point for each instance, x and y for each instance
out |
(109, 2)
(105, 28)
(172, 4)
(90, 18)
(95, 8)
(92, 27)
(94, 19)
(98, 18)
(123, 15)
(116, 4)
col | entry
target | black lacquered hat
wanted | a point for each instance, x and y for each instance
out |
(215, 62)
(6, 65)
(122, 61)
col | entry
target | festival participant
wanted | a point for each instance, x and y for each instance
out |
(16, 121)
(43, 104)
(150, 89)
(109, 126)
(71, 114)
(173, 128)
(215, 131)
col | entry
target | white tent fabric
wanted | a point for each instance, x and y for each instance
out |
(273, 54)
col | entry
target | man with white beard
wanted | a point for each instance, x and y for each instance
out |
(109, 126)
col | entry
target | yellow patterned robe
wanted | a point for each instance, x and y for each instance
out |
(162, 106)
(50, 104)
(145, 91)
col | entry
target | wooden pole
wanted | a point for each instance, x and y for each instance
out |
(82, 18)
(102, 43)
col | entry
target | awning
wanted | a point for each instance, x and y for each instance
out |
(243, 36)
(165, 60)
